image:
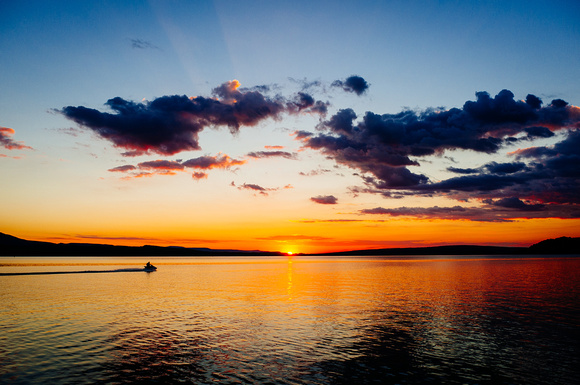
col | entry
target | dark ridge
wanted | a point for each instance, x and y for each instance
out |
(13, 246)
(562, 245)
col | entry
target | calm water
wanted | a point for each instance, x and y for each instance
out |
(291, 321)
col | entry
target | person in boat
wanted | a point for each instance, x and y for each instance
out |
(149, 266)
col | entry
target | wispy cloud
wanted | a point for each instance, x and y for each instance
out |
(8, 143)
(142, 44)
(353, 83)
(171, 167)
(272, 154)
(260, 189)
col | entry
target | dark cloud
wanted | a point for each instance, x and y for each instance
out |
(541, 182)
(459, 170)
(8, 143)
(353, 83)
(504, 168)
(384, 147)
(539, 132)
(552, 176)
(271, 154)
(516, 204)
(171, 124)
(325, 199)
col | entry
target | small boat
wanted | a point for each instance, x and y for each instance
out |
(149, 267)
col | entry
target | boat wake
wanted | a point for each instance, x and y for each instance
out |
(78, 272)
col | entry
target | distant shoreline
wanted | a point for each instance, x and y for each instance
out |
(13, 246)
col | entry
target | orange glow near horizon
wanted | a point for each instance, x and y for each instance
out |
(293, 238)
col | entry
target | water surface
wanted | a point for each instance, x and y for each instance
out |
(291, 320)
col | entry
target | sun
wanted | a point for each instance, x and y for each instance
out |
(289, 253)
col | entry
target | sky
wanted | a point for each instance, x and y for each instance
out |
(296, 126)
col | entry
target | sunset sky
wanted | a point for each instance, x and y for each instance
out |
(298, 126)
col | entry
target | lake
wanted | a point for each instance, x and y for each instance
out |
(295, 320)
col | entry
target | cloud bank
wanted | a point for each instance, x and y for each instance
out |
(384, 148)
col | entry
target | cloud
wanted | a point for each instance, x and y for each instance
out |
(271, 154)
(171, 124)
(384, 147)
(199, 175)
(353, 83)
(274, 147)
(259, 189)
(8, 143)
(166, 165)
(211, 162)
(142, 44)
(318, 171)
(254, 187)
(499, 210)
(453, 213)
(325, 199)
(170, 167)
(124, 168)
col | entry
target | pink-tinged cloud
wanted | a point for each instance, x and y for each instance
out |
(161, 165)
(171, 167)
(325, 199)
(210, 162)
(171, 124)
(8, 143)
(274, 147)
(319, 171)
(124, 168)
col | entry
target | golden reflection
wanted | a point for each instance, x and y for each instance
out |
(289, 287)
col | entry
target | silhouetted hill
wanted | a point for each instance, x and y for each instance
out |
(13, 246)
(10, 245)
(562, 245)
